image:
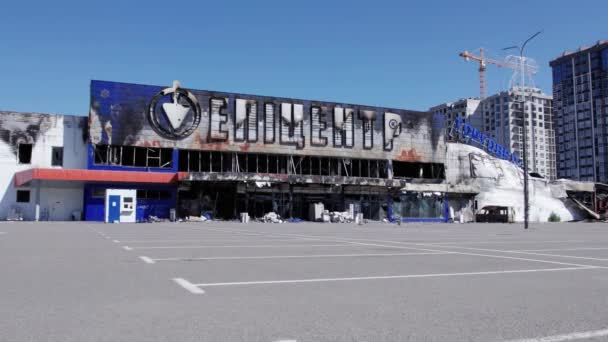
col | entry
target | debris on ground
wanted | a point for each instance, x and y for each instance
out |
(14, 214)
(359, 219)
(340, 216)
(325, 216)
(272, 217)
(196, 218)
(153, 218)
(318, 213)
(315, 212)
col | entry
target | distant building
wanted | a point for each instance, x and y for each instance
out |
(499, 117)
(580, 92)
(463, 108)
(502, 119)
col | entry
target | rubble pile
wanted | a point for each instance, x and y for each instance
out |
(272, 217)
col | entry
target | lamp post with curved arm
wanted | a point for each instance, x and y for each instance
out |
(523, 110)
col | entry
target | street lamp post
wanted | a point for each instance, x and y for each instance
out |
(523, 111)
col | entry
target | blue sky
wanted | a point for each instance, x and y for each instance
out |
(395, 54)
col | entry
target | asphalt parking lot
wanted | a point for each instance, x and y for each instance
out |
(222, 281)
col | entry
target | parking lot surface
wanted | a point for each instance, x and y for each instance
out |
(226, 281)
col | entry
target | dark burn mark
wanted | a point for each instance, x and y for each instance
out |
(128, 130)
(22, 128)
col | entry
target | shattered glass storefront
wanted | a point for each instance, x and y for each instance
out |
(420, 206)
(237, 153)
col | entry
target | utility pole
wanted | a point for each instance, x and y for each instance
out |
(523, 110)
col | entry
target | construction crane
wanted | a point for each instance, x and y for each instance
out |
(483, 61)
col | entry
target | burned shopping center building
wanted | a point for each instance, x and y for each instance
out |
(232, 153)
(148, 152)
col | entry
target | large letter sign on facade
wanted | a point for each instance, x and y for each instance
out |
(317, 126)
(218, 119)
(367, 119)
(142, 115)
(292, 127)
(269, 122)
(343, 127)
(246, 120)
(392, 129)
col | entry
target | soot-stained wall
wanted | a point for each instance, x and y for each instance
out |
(43, 132)
(143, 115)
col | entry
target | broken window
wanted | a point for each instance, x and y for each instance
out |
(418, 170)
(215, 161)
(25, 153)
(100, 154)
(23, 196)
(57, 156)
(155, 157)
(422, 205)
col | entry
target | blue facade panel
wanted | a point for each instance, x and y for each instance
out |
(94, 201)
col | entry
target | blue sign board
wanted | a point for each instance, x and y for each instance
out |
(470, 133)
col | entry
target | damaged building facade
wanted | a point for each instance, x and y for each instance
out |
(234, 153)
(150, 152)
(30, 142)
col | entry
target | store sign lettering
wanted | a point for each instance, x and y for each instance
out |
(466, 131)
(284, 122)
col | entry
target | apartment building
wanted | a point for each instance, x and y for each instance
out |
(500, 117)
(464, 109)
(580, 93)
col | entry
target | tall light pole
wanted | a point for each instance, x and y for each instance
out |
(523, 111)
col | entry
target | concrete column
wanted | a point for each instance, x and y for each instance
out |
(37, 202)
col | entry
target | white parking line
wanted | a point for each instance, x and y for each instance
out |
(566, 256)
(127, 248)
(214, 240)
(560, 249)
(566, 337)
(368, 242)
(251, 233)
(188, 286)
(406, 276)
(116, 241)
(147, 260)
(477, 242)
(294, 256)
(241, 246)
(383, 244)
(526, 253)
